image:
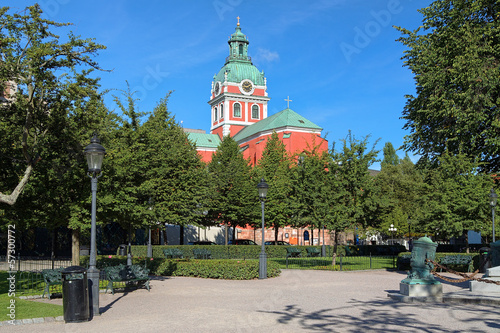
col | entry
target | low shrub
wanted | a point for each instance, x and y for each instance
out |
(216, 269)
(230, 251)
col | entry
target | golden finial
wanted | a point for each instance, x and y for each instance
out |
(238, 21)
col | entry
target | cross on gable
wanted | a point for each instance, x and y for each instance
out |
(288, 100)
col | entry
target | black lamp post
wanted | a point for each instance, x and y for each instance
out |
(262, 187)
(393, 230)
(95, 154)
(493, 203)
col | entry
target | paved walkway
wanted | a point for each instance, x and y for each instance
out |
(297, 301)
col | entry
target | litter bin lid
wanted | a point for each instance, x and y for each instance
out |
(73, 269)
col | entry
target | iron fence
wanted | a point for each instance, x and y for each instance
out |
(341, 263)
(29, 263)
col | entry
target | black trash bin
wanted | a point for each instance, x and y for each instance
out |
(75, 294)
(122, 250)
(484, 260)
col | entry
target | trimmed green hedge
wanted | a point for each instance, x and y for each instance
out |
(439, 255)
(215, 269)
(228, 252)
(374, 250)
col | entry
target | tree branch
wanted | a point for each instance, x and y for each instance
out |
(12, 198)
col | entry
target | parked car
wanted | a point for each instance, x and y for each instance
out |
(202, 243)
(242, 242)
(276, 243)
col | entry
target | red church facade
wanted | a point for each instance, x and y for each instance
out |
(238, 106)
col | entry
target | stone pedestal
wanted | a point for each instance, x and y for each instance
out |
(492, 274)
(421, 290)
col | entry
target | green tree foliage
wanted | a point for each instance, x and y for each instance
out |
(234, 194)
(456, 198)
(155, 173)
(399, 189)
(390, 156)
(455, 59)
(275, 168)
(175, 177)
(353, 187)
(47, 87)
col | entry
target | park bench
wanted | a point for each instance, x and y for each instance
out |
(313, 252)
(293, 252)
(51, 277)
(123, 273)
(202, 254)
(457, 259)
(173, 253)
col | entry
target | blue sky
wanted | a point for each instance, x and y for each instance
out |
(337, 59)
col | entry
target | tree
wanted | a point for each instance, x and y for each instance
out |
(39, 82)
(390, 156)
(275, 167)
(352, 186)
(234, 194)
(455, 59)
(456, 197)
(399, 190)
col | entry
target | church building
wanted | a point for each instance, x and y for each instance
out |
(238, 107)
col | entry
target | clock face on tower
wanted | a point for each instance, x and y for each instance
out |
(217, 88)
(246, 87)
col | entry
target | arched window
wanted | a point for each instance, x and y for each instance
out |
(222, 111)
(255, 111)
(241, 49)
(215, 114)
(237, 110)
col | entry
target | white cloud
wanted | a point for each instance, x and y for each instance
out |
(265, 55)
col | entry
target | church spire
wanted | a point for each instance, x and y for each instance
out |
(238, 46)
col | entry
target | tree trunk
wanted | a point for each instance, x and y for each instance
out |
(75, 247)
(276, 231)
(334, 256)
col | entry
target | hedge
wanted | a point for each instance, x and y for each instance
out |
(216, 269)
(439, 255)
(230, 251)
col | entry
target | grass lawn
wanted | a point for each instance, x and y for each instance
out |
(24, 309)
(348, 263)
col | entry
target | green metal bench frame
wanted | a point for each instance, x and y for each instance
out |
(313, 252)
(52, 277)
(457, 259)
(293, 252)
(123, 273)
(173, 253)
(202, 254)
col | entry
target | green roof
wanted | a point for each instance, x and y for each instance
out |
(238, 64)
(285, 118)
(238, 71)
(204, 140)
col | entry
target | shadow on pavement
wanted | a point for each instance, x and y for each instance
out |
(387, 316)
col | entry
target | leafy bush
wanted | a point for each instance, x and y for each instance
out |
(216, 269)
(375, 250)
(230, 251)
(404, 265)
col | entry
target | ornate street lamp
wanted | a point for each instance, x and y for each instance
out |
(393, 230)
(493, 203)
(262, 187)
(95, 154)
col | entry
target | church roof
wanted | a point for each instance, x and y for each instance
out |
(238, 64)
(285, 118)
(238, 71)
(204, 140)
